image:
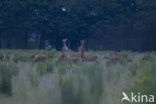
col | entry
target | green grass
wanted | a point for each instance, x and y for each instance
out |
(54, 82)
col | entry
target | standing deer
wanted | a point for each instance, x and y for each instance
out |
(89, 58)
(64, 48)
(81, 50)
(64, 54)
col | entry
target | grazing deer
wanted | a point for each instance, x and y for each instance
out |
(147, 57)
(90, 58)
(114, 59)
(1, 57)
(40, 59)
(48, 56)
(105, 57)
(32, 56)
(124, 55)
(130, 60)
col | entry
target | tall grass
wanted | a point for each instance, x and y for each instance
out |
(54, 82)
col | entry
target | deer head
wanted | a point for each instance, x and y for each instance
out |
(64, 40)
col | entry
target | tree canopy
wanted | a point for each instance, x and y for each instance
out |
(105, 24)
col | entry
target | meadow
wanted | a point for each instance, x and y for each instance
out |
(23, 81)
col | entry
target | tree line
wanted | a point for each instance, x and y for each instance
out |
(104, 24)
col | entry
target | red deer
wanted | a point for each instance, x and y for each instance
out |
(64, 55)
(75, 59)
(40, 59)
(81, 51)
(64, 48)
(146, 57)
(1, 57)
(114, 59)
(124, 55)
(129, 60)
(105, 57)
(49, 56)
(67, 59)
(89, 58)
(32, 56)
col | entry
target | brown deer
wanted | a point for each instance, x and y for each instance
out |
(105, 57)
(81, 50)
(64, 48)
(1, 57)
(64, 55)
(48, 56)
(40, 59)
(115, 58)
(89, 58)
(124, 55)
(32, 56)
(146, 57)
(129, 60)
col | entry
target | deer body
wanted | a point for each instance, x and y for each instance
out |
(64, 54)
(114, 59)
(40, 59)
(1, 57)
(64, 49)
(89, 58)
(82, 49)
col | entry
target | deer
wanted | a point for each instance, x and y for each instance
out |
(117, 57)
(64, 54)
(1, 57)
(89, 58)
(40, 59)
(114, 59)
(81, 50)
(146, 57)
(48, 56)
(64, 48)
(106, 57)
(32, 56)
(64, 51)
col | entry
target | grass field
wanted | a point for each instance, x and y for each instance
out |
(22, 81)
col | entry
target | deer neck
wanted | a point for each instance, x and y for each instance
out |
(82, 50)
(64, 45)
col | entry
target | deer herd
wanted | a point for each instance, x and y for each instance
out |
(80, 56)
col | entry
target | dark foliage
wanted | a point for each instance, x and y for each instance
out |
(105, 24)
